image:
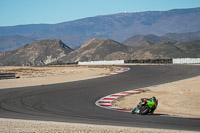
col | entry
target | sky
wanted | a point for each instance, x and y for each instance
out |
(20, 12)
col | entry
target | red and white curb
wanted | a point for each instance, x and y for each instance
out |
(106, 102)
(124, 69)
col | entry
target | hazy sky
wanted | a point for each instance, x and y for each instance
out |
(18, 12)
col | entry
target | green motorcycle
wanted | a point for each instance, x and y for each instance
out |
(146, 106)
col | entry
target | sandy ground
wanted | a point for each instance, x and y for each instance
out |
(26, 126)
(178, 98)
(32, 76)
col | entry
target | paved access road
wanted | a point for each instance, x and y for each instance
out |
(75, 101)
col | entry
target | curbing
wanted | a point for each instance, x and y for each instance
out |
(124, 69)
(106, 102)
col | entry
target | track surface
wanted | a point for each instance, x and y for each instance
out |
(75, 101)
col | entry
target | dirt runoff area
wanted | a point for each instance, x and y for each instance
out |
(178, 98)
(26, 126)
(33, 76)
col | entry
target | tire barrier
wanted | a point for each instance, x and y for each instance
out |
(62, 63)
(157, 61)
(7, 76)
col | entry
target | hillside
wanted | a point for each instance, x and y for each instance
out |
(35, 54)
(116, 26)
(171, 37)
(183, 37)
(95, 49)
(167, 50)
(148, 38)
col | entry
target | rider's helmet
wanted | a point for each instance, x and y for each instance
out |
(155, 100)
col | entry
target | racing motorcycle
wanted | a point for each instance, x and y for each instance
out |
(146, 106)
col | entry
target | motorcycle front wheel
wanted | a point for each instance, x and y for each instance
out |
(133, 111)
(144, 110)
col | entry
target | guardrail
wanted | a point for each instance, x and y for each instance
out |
(113, 62)
(153, 61)
(186, 61)
(7, 76)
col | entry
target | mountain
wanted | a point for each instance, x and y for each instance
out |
(95, 49)
(35, 54)
(116, 26)
(149, 38)
(167, 50)
(183, 37)
(171, 37)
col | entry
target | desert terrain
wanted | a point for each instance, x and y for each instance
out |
(33, 76)
(27, 126)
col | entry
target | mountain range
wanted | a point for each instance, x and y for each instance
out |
(55, 51)
(116, 27)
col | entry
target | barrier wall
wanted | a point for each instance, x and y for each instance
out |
(102, 62)
(186, 61)
(157, 61)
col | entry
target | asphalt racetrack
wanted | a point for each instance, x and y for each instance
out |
(75, 101)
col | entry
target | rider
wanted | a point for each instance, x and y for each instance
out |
(153, 99)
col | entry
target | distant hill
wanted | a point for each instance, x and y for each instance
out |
(35, 54)
(95, 49)
(116, 27)
(171, 37)
(166, 50)
(183, 37)
(149, 38)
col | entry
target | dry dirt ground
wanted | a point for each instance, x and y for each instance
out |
(178, 98)
(29, 76)
(26, 126)
(32, 76)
